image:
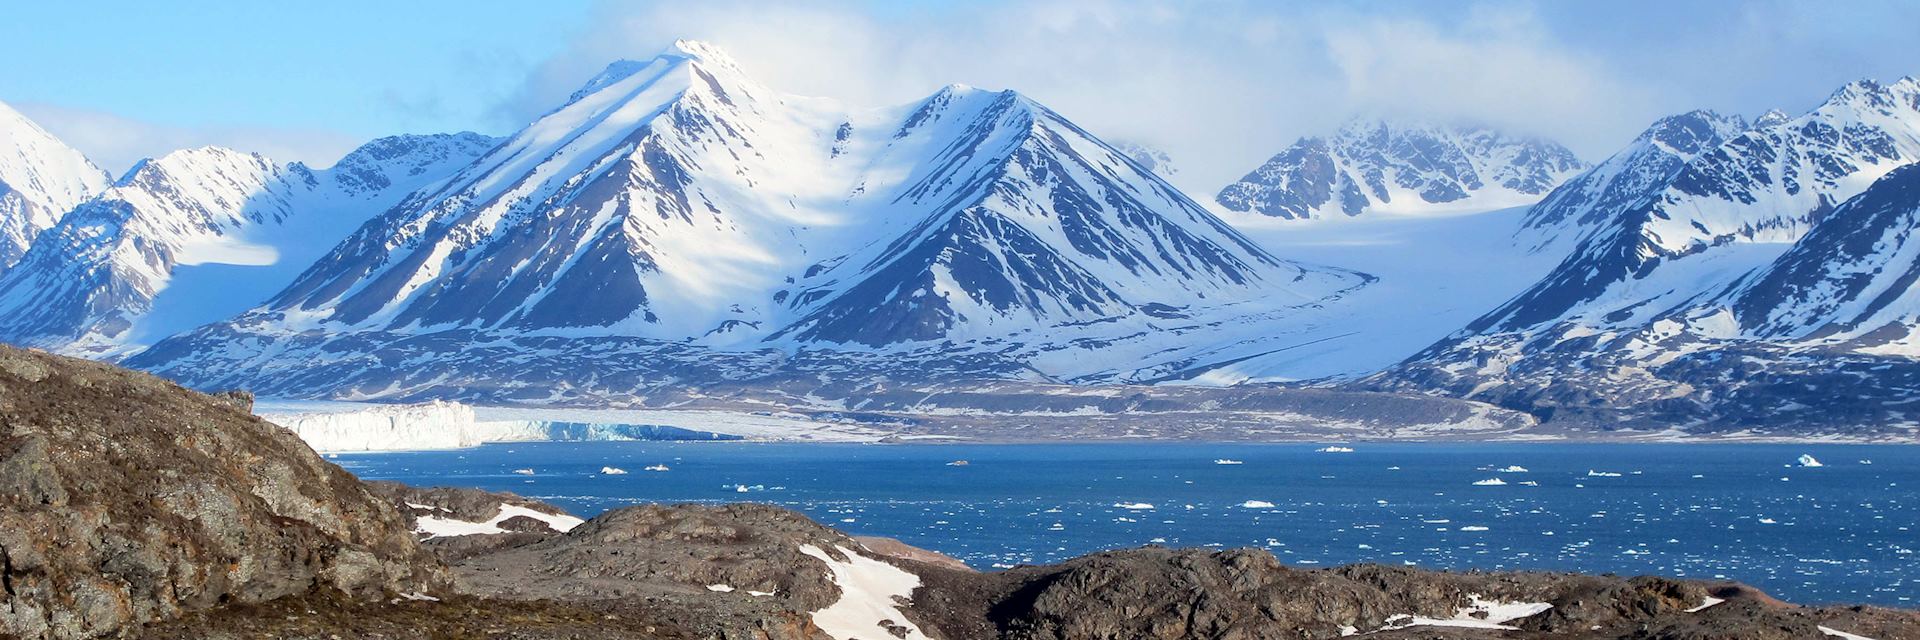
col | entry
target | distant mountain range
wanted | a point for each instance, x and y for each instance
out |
(675, 224)
(1401, 168)
(1723, 277)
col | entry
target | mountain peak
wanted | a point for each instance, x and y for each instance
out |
(1772, 118)
(1408, 167)
(189, 161)
(701, 51)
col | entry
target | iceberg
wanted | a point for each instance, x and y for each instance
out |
(1809, 461)
(1490, 482)
(1256, 504)
(1227, 461)
(612, 471)
(656, 467)
(1335, 449)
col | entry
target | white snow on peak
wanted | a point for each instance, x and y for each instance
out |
(1409, 168)
(197, 235)
(41, 179)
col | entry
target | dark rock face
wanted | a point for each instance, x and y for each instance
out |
(1167, 594)
(653, 548)
(126, 499)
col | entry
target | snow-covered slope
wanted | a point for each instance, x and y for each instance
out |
(198, 235)
(676, 201)
(1628, 178)
(1849, 281)
(1396, 168)
(1737, 203)
(41, 179)
(1153, 158)
(1765, 277)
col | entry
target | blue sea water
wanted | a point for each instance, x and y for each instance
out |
(1843, 532)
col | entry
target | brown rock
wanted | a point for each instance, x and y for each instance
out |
(126, 499)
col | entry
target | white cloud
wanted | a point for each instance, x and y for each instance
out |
(1220, 86)
(116, 142)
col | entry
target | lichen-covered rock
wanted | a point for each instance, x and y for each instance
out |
(126, 499)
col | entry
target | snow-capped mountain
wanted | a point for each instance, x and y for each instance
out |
(1731, 206)
(1401, 169)
(1765, 267)
(1648, 164)
(1849, 280)
(675, 201)
(1153, 158)
(198, 235)
(41, 179)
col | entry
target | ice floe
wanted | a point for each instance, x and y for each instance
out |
(1809, 461)
(612, 471)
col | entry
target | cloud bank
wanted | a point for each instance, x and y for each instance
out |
(1220, 85)
(117, 142)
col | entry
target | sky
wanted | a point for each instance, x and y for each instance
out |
(1219, 85)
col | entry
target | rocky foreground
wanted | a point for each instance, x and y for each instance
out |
(130, 507)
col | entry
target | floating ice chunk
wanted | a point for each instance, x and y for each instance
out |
(1473, 528)
(1809, 461)
(1512, 468)
(612, 471)
(1602, 474)
(1490, 482)
(1227, 461)
(1335, 449)
(524, 472)
(1768, 521)
(1256, 504)
(1133, 506)
(958, 463)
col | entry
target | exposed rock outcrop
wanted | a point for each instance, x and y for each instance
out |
(126, 499)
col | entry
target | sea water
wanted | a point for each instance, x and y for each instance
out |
(1845, 531)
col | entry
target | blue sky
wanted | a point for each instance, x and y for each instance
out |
(1218, 84)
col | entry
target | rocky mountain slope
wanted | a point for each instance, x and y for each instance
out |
(125, 499)
(1758, 285)
(41, 179)
(676, 210)
(198, 235)
(1401, 168)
